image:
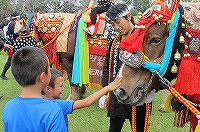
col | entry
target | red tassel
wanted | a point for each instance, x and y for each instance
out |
(188, 78)
(10, 53)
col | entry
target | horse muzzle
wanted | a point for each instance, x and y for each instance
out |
(136, 98)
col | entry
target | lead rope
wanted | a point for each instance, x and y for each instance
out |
(148, 105)
(147, 116)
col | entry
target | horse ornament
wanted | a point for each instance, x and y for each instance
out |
(164, 46)
(70, 49)
(24, 35)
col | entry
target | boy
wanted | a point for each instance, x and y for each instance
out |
(30, 112)
(55, 88)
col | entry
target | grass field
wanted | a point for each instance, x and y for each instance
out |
(90, 119)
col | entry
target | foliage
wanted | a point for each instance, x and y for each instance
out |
(5, 8)
(34, 6)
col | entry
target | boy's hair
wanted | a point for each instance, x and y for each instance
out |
(54, 74)
(27, 63)
(117, 10)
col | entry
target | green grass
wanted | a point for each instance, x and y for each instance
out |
(90, 119)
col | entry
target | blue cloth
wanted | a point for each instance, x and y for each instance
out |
(67, 108)
(33, 115)
(154, 67)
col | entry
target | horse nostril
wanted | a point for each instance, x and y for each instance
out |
(123, 94)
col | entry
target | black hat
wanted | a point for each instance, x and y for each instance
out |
(15, 15)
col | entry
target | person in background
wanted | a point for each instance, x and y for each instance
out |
(165, 93)
(122, 21)
(2, 41)
(10, 39)
(55, 89)
(102, 6)
(65, 6)
(3, 45)
(4, 24)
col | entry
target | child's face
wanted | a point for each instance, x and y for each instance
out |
(56, 92)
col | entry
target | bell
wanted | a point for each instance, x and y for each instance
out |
(191, 23)
(169, 22)
(160, 16)
(142, 27)
(154, 15)
(156, 18)
(174, 68)
(189, 35)
(185, 55)
(198, 58)
(140, 14)
(177, 55)
(183, 25)
(181, 39)
(186, 47)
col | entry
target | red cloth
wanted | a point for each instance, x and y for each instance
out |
(135, 40)
(188, 77)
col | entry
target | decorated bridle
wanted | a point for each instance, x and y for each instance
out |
(132, 53)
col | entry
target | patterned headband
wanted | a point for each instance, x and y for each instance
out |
(119, 15)
(15, 17)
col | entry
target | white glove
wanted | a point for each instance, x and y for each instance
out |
(102, 102)
(198, 117)
(150, 96)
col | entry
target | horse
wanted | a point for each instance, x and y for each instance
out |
(158, 52)
(58, 32)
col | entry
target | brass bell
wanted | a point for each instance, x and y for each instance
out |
(140, 14)
(181, 39)
(174, 68)
(185, 55)
(186, 46)
(156, 18)
(198, 58)
(189, 35)
(169, 22)
(183, 25)
(160, 16)
(177, 55)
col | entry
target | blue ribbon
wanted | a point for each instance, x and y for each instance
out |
(162, 68)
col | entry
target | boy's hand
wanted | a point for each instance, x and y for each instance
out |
(8, 46)
(115, 84)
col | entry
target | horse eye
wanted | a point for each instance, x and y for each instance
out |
(155, 41)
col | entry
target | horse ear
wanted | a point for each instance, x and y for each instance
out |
(172, 5)
(151, 2)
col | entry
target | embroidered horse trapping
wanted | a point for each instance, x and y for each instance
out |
(50, 24)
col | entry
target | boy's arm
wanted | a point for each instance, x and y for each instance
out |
(95, 96)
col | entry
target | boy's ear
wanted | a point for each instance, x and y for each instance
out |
(42, 77)
(47, 89)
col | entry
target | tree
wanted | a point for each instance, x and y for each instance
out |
(5, 8)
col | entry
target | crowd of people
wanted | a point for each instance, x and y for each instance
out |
(42, 85)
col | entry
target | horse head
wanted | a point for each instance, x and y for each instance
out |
(22, 27)
(150, 50)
